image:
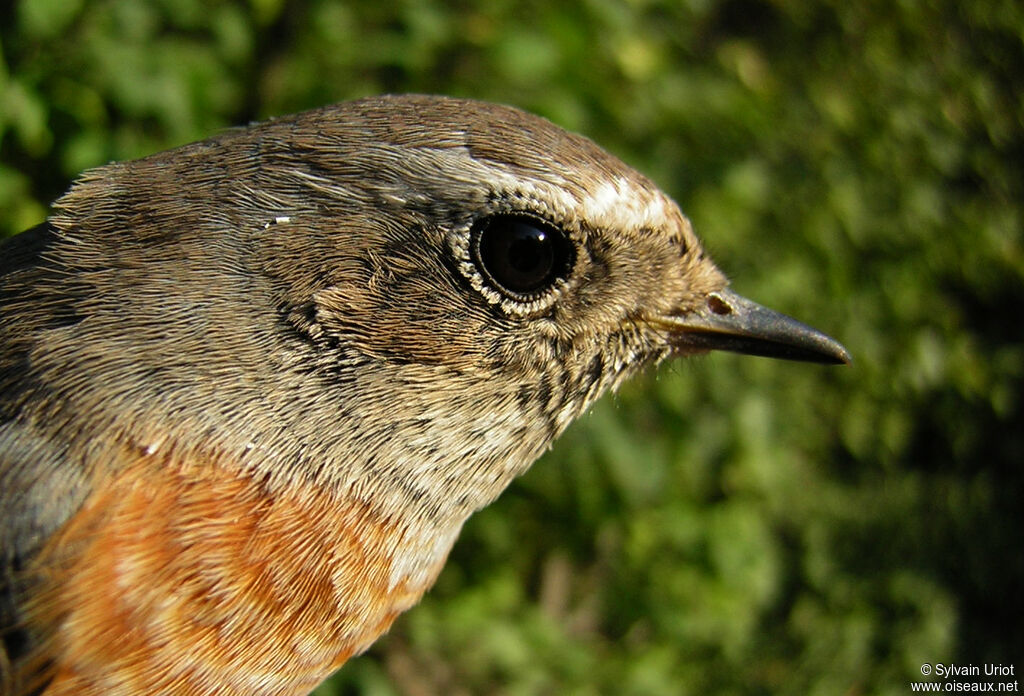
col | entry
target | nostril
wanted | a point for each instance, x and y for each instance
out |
(718, 306)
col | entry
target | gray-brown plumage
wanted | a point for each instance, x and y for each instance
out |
(251, 388)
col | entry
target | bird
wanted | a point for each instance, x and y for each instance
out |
(251, 388)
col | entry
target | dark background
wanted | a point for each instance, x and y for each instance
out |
(726, 526)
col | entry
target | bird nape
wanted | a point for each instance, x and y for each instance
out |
(251, 388)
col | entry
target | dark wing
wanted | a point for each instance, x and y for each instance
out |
(38, 489)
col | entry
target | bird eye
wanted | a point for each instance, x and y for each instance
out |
(521, 255)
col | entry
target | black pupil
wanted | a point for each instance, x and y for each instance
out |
(520, 254)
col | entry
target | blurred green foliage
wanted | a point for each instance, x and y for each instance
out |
(725, 526)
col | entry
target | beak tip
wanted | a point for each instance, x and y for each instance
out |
(838, 355)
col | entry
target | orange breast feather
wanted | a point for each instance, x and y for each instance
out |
(184, 579)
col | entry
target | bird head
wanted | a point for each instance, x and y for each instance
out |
(444, 284)
(506, 247)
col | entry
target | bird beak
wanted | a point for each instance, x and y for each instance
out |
(730, 322)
